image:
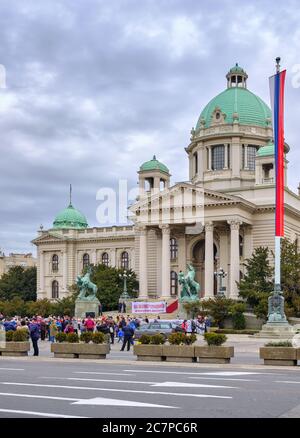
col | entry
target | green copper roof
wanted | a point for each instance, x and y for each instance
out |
(70, 218)
(267, 150)
(237, 69)
(154, 164)
(249, 107)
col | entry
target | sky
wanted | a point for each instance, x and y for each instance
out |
(91, 89)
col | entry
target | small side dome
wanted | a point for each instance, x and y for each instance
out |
(267, 150)
(154, 164)
(70, 218)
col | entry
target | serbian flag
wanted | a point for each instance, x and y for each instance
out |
(277, 102)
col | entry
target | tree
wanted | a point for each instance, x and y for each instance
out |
(219, 308)
(110, 286)
(257, 283)
(18, 282)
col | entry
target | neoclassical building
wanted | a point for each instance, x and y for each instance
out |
(212, 221)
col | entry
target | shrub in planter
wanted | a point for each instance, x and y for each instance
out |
(279, 344)
(190, 339)
(98, 338)
(9, 335)
(72, 338)
(177, 339)
(87, 337)
(61, 337)
(157, 339)
(215, 338)
(20, 335)
(144, 339)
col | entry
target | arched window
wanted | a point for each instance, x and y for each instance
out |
(55, 289)
(174, 283)
(196, 162)
(85, 260)
(218, 157)
(125, 260)
(55, 263)
(173, 248)
(105, 259)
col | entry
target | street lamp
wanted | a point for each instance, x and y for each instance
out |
(221, 274)
(124, 277)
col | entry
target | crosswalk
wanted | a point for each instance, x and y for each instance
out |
(116, 391)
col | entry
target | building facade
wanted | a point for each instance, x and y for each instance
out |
(15, 259)
(212, 221)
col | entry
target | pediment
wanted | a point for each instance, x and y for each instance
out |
(49, 237)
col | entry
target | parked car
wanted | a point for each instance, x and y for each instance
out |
(162, 327)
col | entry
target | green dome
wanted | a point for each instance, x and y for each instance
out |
(237, 69)
(154, 164)
(250, 108)
(267, 150)
(70, 218)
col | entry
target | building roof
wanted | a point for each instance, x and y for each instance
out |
(70, 218)
(154, 164)
(267, 150)
(251, 109)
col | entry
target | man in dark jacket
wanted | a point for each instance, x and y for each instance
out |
(128, 335)
(34, 329)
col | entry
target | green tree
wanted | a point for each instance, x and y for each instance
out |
(18, 282)
(110, 286)
(219, 308)
(257, 283)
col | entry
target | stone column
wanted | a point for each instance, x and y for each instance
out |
(209, 260)
(42, 273)
(234, 258)
(94, 257)
(209, 158)
(112, 261)
(226, 153)
(223, 233)
(143, 271)
(248, 242)
(246, 157)
(65, 270)
(165, 259)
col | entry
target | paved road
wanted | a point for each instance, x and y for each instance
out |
(45, 388)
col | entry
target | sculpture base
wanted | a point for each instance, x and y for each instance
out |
(276, 330)
(82, 307)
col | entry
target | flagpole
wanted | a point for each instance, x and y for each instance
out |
(277, 279)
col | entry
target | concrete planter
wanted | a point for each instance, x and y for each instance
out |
(279, 355)
(148, 352)
(15, 349)
(179, 353)
(214, 354)
(80, 350)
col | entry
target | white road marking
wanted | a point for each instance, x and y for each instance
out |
(224, 378)
(11, 394)
(114, 402)
(95, 372)
(217, 373)
(191, 385)
(196, 385)
(40, 414)
(287, 381)
(179, 394)
(12, 369)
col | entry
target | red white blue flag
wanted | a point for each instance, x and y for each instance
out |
(277, 102)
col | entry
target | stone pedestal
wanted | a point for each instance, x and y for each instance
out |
(276, 330)
(82, 307)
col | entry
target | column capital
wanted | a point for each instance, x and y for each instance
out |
(142, 230)
(234, 224)
(209, 226)
(165, 229)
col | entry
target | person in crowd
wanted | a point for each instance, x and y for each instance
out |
(9, 324)
(184, 325)
(75, 325)
(100, 309)
(89, 324)
(120, 335)
(34, 329)
(128, 336)
(119, 307)
(207, 324)
(53, 330)
(111, 328)
(69, 328)
(59, 325)
(43, 327)
(124, 307)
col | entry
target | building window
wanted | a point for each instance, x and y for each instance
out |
(55, 263)
(105, 259)
(174, 283)
(55, 289)
(218, 157)
(125, 260)
(251, 154)
(173, 249)
(241, 245)
(85, 260)
(196, 162)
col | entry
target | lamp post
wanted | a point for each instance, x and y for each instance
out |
(221, 274)
(124, 277)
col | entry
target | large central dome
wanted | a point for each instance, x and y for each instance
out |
(70, 218)
(251, 109)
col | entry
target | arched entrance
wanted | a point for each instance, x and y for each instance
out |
(198, 261)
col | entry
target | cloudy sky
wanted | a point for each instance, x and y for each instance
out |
(95, 87)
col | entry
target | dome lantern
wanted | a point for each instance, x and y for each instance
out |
(236, 77)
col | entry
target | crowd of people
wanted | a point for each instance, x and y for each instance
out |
(120, 329)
